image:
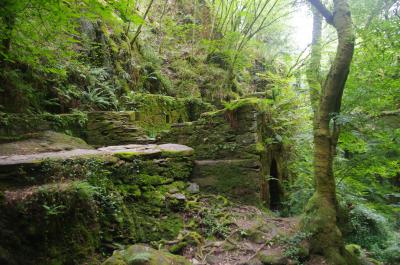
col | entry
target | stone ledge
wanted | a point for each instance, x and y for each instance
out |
(132, 150)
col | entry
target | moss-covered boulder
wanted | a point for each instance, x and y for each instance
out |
(144, 255)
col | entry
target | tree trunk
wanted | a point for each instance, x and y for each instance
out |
(314, 66)
(9, 21)
(320, 218)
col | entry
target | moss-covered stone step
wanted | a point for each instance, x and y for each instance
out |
(49, 224)
(132, 150)
(171, 159)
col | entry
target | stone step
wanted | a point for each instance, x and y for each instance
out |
(42, 167)
(136, 149)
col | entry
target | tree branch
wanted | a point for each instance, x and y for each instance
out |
(323, 10)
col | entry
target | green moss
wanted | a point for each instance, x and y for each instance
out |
(260, 148)
(129, 190)
(151, 227)
(260, 104)
(131, 155)
(178, 247)
(325, 236)
(177, 153)
(62, 217)
(354, 249)
(226, 178)
(174, 186)
(152, 180)
(211, 113)
(190, 238)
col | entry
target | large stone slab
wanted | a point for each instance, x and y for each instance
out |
(136, 150)
(33, 168)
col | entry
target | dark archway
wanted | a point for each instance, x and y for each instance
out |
(274, 187)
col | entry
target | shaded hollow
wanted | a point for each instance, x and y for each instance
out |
(274, 187)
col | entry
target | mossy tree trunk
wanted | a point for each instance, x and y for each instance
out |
(320, 218)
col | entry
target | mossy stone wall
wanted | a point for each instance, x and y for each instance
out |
(145, 117)
(63, 211)
(235, 148)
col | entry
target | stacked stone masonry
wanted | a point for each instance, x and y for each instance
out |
(234, 154)
(62, 207)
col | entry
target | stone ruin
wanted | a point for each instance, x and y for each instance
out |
(236, 153)
(132, 190)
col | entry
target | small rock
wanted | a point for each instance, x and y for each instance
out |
(212, 260)
(179, 196)
(272, 257)
(177, 201)
(195, 262)
(193, 188)
(253, 261)
(173, 190)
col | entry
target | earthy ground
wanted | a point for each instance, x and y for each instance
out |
(253, 232)
(245, 235)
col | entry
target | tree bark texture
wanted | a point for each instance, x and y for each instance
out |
(321, 214)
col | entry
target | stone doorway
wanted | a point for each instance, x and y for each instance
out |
(274, 187)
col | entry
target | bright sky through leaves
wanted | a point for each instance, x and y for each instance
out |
(302, 27)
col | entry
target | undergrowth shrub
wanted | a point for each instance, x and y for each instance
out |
(373, 232)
